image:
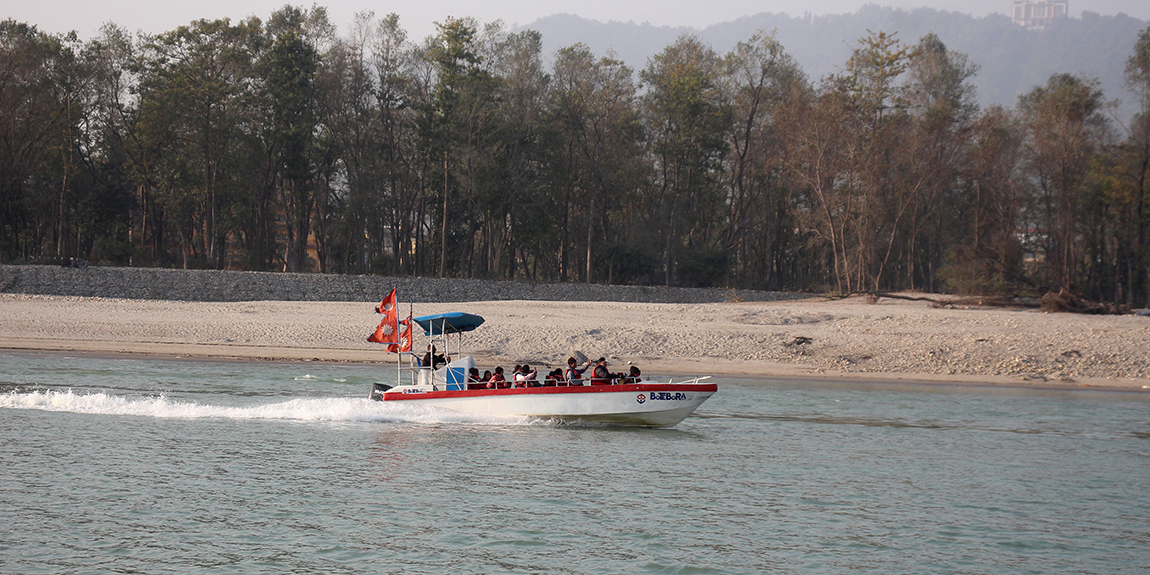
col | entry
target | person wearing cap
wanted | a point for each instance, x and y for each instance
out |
(600, 376)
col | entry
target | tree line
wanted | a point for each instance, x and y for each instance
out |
(282, 145)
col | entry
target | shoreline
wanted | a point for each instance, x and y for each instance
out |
(890, 342)
(790, 375)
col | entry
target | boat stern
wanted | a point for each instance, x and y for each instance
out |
(377, 391)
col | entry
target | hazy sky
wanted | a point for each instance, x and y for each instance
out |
(417, 16)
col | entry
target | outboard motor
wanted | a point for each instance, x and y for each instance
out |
(377, 390)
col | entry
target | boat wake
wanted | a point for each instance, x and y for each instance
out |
(333, 409)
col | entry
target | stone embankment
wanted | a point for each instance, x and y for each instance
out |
(216, 285)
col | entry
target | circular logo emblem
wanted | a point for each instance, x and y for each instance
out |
(641, 398)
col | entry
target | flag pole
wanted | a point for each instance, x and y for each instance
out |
(399, 357)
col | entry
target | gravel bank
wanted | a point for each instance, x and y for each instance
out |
(215, 285)
(665, 331)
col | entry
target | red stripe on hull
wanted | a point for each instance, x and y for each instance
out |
(629, 387)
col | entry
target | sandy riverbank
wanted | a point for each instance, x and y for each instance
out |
(890, 341)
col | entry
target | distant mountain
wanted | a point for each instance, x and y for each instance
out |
(1012, 60)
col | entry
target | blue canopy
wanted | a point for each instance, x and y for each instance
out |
(452, 322)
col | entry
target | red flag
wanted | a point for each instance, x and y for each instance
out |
(404, 344)
(386, 332)
(388, 304)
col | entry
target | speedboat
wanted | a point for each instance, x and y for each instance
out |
(644, 403)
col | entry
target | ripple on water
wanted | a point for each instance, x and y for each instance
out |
(189, 467)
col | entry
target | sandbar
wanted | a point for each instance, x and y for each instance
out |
(890, 341)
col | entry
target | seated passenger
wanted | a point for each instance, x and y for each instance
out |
(600, 376)
(529, 376)
(473, 380)
(632, 377)
(497, 380)
(574, 375)
(554, 378)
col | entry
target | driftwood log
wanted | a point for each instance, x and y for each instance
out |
(1063, 301)
(1069, 302)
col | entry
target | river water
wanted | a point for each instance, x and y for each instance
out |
(169, 466)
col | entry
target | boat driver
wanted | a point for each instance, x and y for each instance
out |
(430, 357)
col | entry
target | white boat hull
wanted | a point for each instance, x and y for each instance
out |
(641, 404)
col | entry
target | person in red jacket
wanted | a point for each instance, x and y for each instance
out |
(497, 380)
(600, 376)
(632, 377)
(574, 374)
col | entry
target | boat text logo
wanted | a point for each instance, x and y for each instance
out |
(662, 396)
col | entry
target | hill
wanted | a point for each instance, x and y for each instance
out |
(1012, 60)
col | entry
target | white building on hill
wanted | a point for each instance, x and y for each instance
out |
(1033, 14)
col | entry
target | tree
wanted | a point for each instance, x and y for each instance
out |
(36, 111)
(985, 215)
(940, 101)
(764, 88)
(107, 147)
(454, 126)
(685, 118)
(367, 83)
(880, 120)
(874, 72)
(599, 164)
(820, 165)
(517, 202)
(1066, 128)
(195, 93)
(1136, 268)
(289, 69)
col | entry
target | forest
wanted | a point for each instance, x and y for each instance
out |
(283, 145)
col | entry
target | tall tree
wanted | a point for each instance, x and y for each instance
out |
(820, 165)
(764, 88)
(107, 146)
(880, 120)
(600, 166)
(517, 199)
(1066, 128)
(686, 120)
(940, 100)
(36, 111)
(394, 61)
(455, 129)
(195, 87)
(985, 216)
(1137, 264)
(289, 69)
